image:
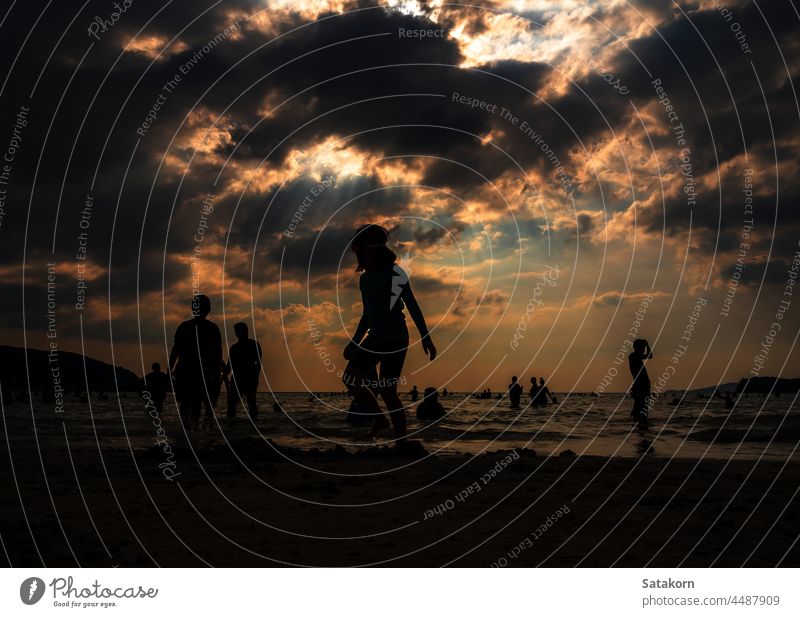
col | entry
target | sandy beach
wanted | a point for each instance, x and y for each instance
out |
(252, 503)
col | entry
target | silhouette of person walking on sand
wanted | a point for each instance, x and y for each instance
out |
(157, 384)
(514, 392)
(640, 389)
(244, 364)
(195, 362)
(385, 291)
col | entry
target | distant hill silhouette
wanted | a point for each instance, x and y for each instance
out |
(765, 384)
(709, 390)
(99, 375)
(753, 385)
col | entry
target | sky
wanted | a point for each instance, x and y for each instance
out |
(558, 178)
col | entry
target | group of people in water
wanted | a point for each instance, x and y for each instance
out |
(539, 393)
(375, 355)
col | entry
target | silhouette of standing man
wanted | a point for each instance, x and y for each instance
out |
(244, 362)
(196, 362)
(157, 384)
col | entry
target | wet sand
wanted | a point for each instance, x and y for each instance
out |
(256, 504)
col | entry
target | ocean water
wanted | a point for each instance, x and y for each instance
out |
(757, 427)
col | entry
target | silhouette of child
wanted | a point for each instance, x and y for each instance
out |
(514, 392)
(385, 291)
(363, 415)
(430, 408)
(157, 383)
(244, 364)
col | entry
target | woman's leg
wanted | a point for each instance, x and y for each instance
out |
(639, 403)
(252, 401)
(396, 411)
(647, 403)
(353, 378)
(636, 405)
(233, 398)
(391, 372)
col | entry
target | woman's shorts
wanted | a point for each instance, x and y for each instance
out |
(390, 355)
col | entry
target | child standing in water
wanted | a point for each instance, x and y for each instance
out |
(385, 291)
(640, 390)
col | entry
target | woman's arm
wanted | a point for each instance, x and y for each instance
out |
(419, 319)
(175, 352)
(363, 324)
(358, 335)
(414, 310)
(361, 329)
(173, 358)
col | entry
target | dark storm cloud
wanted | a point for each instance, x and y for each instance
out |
(585, 224)
(313, 254)
(110, 124)
(717, 96)
(443, 228)
(774, 273)
(386, 90)
(698, 59)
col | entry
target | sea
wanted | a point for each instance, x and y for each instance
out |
(584, 424)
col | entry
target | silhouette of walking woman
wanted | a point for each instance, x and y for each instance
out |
(385, 291)
(640, 390)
